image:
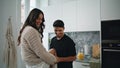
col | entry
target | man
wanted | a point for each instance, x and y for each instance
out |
(62, 46)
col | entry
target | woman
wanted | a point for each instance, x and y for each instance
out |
(30, 39)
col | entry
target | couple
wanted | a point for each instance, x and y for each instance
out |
(62, 48)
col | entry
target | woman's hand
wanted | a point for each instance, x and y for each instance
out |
(53, 51)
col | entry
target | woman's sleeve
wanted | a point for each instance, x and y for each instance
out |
(34, 40)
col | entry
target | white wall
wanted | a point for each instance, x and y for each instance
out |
(42, 3)
(55, 2)
(1, 36)
(9, 8)
(110, 9)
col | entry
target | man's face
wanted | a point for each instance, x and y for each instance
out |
(59, 31)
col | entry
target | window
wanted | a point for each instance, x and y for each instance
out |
(22, 11)
(32, 4)
(26, 6)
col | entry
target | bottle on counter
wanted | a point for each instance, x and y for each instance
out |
(87, 51)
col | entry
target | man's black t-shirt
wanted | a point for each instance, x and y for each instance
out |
(64, 47)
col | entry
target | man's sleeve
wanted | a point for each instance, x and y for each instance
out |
(72, 49)
(51, 44)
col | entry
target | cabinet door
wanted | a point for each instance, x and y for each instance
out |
(80, 65)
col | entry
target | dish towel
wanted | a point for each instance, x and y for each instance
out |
(10, 53)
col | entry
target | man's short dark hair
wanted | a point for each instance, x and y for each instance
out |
(58, 23)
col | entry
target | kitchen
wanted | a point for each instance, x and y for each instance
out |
(79, 15)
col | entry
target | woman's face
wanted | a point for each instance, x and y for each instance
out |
(39, 20)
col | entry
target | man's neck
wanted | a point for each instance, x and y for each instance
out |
(58, 38)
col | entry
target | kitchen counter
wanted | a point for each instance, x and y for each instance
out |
(92, 63)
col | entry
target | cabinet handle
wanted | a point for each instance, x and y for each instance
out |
(112, 50)
(87, 65)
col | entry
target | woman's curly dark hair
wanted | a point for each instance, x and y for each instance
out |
(31, 19)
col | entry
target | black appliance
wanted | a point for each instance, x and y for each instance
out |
(110, 33)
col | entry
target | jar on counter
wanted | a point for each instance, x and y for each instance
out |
(80, 55)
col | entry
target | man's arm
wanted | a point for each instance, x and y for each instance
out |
(66, 59)
(62, 59)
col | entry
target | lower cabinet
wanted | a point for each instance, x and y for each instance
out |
(80, 65)
(86, 65)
